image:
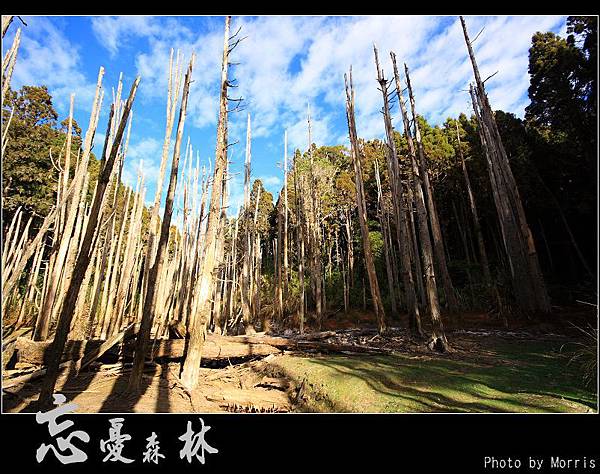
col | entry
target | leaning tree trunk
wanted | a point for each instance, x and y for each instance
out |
(386, 247)
(362, 211)
(528, 282)
(480, 242)
(436, 231)
(83, 260)
(438, 339)
(150, 300)
(43, 323)
(400, 206)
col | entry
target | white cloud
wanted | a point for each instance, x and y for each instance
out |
(235, 192)
(47, 57)
(112, 32)
(148, 148)
(272, 183)
(284, 63)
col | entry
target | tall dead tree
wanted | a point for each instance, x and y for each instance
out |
(150, 300)
(197, 333)
(386, 244)
(62, 241)
(300, 246)
(436, 231)
(8, 63)
(474, 214)
(438, 339)
(83, 259)
(528, 282)
(400, 206)
(6, 21)
(285, 216)
(362, 210)
(246, 277)
(314, 234)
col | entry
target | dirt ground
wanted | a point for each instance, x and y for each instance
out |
(258, 384)
(245, 387)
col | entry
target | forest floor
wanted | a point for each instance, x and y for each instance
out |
(491, 369)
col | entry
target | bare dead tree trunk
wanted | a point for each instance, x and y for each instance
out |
(191, 364)
(386, 247)
(362, 211)
(480, 242)
(300, 246)
(43, 323)
(150, 300)
(83, 260)
(350, 245)
(278, 273)
(399, 204)
(247, 251)
(285, 217)
(528, 282)
(436, 231)
(438, 339)
(6, 21)
(314, 235)
(8, 64)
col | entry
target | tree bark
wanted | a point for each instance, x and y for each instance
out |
(400, 208)
(528, 282)
(362, 211)
(438, 339)
(436, 231)
(83, 260)
(199, 320)
(150, 300)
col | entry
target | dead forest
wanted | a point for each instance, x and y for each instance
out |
(367, 250)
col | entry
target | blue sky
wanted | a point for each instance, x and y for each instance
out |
(285, 63)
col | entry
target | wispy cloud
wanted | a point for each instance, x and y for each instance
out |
(284, 64)
(47, 57)
(113, 32)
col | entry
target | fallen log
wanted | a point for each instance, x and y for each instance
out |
(33, 376)
(302, 344)
(314, 336)
(129, 331)
(223, 347)
(16, 334)
(37, 353)
(215, 347)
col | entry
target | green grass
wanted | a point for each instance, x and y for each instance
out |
(523, 376)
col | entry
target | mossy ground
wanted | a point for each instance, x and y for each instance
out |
(513, 376)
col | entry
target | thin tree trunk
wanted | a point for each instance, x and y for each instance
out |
(66, 314)
(191, 365)
(436, 231)
(438, 339)
(362, 211)
(480, 242)
(386, 247)
(150, 300)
